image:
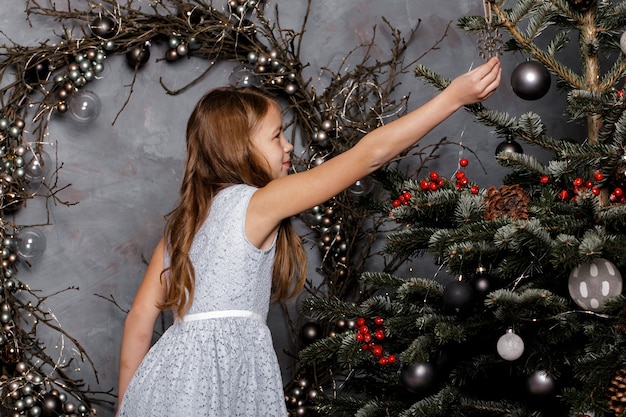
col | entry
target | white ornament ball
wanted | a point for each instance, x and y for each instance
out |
(591, 284)
(510, 346)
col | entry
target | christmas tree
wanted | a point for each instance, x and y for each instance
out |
(534, 320)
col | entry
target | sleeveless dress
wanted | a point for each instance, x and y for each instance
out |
(218, 360)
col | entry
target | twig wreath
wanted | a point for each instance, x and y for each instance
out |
(42, 83)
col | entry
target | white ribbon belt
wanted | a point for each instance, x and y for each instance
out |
(222, 313)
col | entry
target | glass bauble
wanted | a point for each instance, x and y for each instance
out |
(31, 244)
(244, 77)
(84, 106)
(38, 167)
(362, 187)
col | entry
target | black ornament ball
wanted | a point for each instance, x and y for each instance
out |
(310, 332)
(138, 56)
(530, 80)
(482, 284)
(458, 296)
(37, 71)
(418, 378)
(103, 27)
(509, 146)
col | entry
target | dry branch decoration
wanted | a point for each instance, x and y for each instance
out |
(41, 83)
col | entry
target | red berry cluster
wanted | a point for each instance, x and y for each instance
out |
(580, 185)
(435, 182)
(402, 200)
(369, 339)
(463, 182)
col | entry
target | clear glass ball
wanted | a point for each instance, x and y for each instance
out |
(84, 106)
(31, 244)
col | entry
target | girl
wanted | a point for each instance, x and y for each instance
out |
(228, 245)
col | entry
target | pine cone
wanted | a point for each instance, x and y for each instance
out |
(510, 200)
(617, 393)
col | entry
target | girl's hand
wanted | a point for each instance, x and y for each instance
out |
(477, 84)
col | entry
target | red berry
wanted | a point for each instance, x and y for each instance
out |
(588, 183)
(595, 191)
(475, 189)
(463, 162)
(433, 186)
(378, 321)
(383, 361)
(464, 181)
(380, 334)
(367, 337)
(424, 184)
(434, 176)
(564, 195)
(377, 350)
(578, 182)
(441, 182)
(407, 195)
(359, 337)
(544, 179)
(598, 176)
(364, 329)
(360, 322)
(459, 175)
(618, 192)
(365, 346)
(392, 358)
(396, 203)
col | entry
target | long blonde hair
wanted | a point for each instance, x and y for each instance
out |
(220, 153)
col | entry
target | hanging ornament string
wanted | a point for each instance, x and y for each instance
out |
(461, 150)
(489, 38)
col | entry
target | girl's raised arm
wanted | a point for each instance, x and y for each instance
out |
(293, 194)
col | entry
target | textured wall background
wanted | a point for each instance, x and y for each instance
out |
(125, 176)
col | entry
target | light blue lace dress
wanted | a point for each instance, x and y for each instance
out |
(219, 359)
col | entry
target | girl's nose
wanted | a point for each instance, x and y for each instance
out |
(287, 145)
